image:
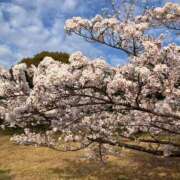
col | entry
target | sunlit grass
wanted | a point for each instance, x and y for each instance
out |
(27, 163)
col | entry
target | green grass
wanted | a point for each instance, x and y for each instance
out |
(27, 163)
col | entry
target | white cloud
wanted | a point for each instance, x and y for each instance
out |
(25, 32)
(6, 55)
(4, 50)
(70, 5)
(118, 60)
(44, 5)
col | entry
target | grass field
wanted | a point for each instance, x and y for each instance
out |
(31, 163)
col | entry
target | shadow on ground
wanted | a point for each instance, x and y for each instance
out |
(90, 170)
(144, 169)
(4, 175)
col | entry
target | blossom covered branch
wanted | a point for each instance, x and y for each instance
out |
(127, 35)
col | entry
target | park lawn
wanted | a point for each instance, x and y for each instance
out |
(39, 163)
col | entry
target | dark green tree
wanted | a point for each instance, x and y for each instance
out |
(36, 59)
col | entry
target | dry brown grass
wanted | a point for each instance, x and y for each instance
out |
(30, 163)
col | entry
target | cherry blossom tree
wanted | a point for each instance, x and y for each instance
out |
(91, 102)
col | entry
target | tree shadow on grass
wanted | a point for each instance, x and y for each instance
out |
(90, 170)
(4, 175)
(154, 167)
(139, 168)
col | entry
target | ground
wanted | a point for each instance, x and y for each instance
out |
(27, 163)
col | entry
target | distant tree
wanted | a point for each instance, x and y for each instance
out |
(36, 59)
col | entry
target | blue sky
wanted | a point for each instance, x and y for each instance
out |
(31, 26)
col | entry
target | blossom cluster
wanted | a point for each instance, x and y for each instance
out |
(109, 31)
(168, 15)
(125, 35)
(88, 100)
(32, 138)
